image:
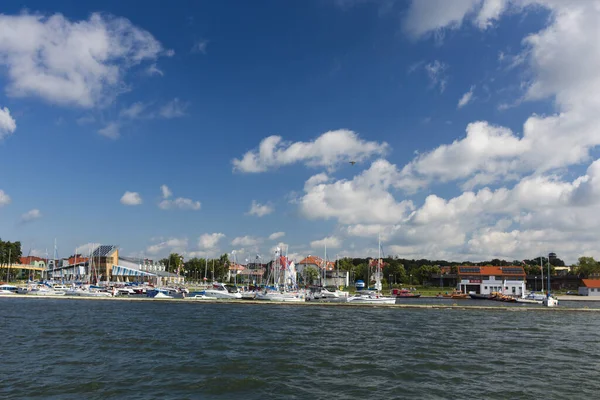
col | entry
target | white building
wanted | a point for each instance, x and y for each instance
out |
(591, 287)
(509, 281)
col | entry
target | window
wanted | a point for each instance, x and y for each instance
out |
(485, 287)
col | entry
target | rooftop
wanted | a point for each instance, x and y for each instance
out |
(591, 283)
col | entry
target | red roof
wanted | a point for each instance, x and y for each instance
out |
(30, 259)
(591, 283)
(513, 270)
(318, 261)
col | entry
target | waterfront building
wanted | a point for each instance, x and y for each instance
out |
(327, 271)
(591, 287)
(105, 264)
(486, 280)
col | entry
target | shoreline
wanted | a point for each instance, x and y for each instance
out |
(453, 306)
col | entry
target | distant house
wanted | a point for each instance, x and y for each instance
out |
(591, 287)
(331, 274)
(486, 280)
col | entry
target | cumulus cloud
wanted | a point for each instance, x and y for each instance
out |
(466, 98)
(331, 242)
(166, 192)
(260, 210)
(4, 198)
(181, 203)
(173, 109)
(276, 235)
(31, 215)
(328, 150)
(210, 240)
(172, 245)
(246, 241)
(429, 16)
(131, 199)
(111, 130)
(134, 111)
(364, 199)
(7, 123)
(81, 63)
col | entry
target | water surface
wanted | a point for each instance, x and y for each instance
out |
(74, 349)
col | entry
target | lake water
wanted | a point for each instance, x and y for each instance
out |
(77, 349)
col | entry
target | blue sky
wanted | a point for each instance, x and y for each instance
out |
(203, 84)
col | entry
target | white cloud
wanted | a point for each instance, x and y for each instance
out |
(154, 70)
(173, 245)
(210, 240)
(31, 215)
(131, 199)
(7, 123)
(181, 203)
(435, 15)
(4, 198)
(488, 152)
(200, 46)
(328, 150)
(276, 235)
(426, 16)
(166, 192)
(173, 109)
(111, 130)
(436, 71)
(466, 98)
(364, 199)
(246, 241)
(80, 63)
(331, 242)
(260, 210)
(134, 111)
(86, 119)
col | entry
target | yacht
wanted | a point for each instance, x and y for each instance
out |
(222, 291)
(7, 290)
(281, 296)
(370, 298)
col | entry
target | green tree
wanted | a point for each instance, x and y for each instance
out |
(173, 262)
(587, 266)
(425, 271)
(310, 275)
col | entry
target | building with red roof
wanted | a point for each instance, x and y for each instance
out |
(591, 287)
(488, 279)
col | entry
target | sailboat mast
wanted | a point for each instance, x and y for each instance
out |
(542, 270)
(325, 265)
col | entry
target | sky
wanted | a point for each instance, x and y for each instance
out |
(229, 127)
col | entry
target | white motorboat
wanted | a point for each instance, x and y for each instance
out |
(281, 296)
(221, 291)
(8, 290)
(529, 301)
(45, 291)
(370, 298)
(87, 292)
(202, 297)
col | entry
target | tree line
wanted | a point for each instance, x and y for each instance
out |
(10, 253)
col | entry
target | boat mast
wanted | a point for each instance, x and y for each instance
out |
(542, 270)
(325, 265)
(548, 276)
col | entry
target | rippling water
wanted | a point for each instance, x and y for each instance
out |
(61, 349)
